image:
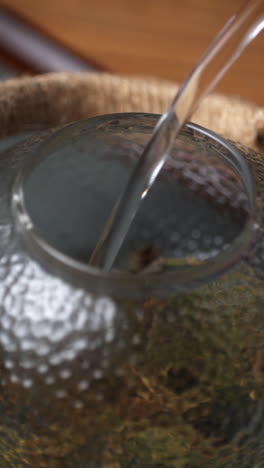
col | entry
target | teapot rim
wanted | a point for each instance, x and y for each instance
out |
(123, 283)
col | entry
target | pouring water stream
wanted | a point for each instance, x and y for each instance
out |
(226, 47)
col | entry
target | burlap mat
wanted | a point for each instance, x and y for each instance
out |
(58, 98)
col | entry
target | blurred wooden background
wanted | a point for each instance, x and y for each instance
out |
(160, 38)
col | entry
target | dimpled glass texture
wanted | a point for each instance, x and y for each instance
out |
(159, 363)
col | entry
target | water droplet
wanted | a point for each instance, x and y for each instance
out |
(28, 345)
(42, 368)
(42, 329)
(65, 373)
(14, 378)
(136, 339)
(59, 332)
(110, 334)
(50, 380)
(9, 364)
(119, 371)
(83, 385)
(78, 404)
(69, 355)
(4, 339)
(98, 374)
(55, 359)
(42, 349)
(104, 313)
(6, 322)
(60, 393)
(80, 344)
(27, 364)
(86, 365)
(11, 347)
(105, 363)
(21, 328)
(27, 383)
(80, 320)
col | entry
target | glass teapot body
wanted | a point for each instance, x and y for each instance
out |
(158, 363)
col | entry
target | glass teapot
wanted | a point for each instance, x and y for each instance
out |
(160, 362)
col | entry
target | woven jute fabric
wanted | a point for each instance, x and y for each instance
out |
(59, 98)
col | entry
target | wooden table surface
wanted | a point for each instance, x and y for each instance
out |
(160, 38)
